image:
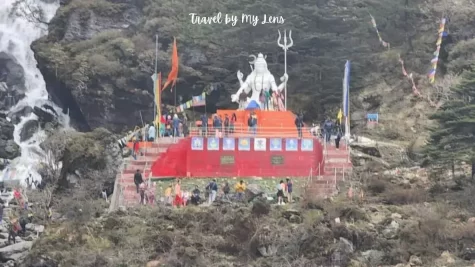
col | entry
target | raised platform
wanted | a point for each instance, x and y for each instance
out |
(206, 157)
(269, 123)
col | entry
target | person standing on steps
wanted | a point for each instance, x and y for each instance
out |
(138, 180)
(252, 123)
(151, 133)
(204, 125)
(337, 140)
(135, 148)
(142, 189)
(226, 125)
(176, 125)
(299, 124)
(232, 123)
(328, 126)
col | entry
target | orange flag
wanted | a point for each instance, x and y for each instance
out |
(173, 75)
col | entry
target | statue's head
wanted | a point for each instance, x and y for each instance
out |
(260, 64)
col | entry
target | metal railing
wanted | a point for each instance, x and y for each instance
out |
(246, 131)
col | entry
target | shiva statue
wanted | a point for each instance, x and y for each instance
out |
(259, 82)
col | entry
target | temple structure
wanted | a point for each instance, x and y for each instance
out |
(274, 150)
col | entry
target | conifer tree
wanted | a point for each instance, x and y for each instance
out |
(453, 140)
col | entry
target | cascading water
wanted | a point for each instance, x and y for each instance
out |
(17, 32)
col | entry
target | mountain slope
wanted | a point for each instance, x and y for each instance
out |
(99, 55)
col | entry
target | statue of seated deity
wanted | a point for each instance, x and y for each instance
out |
(259, 81)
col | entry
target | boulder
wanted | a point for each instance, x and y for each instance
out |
(9, 149)
(253, 191)
(43, 115)
(391, 230)
(12, 81)
(29, 129)
(35, 228)
(415, 261)
(445, 259)
(17, 114)
(373, 257)
(468, 254)
(288, 213)
(6, 129)
(153, 264)
(19, 247)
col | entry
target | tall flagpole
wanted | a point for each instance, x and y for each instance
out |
(155, 104)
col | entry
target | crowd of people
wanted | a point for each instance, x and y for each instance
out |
(177, 196)
(19, 214)
(326, 130)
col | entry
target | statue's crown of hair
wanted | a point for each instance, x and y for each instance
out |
(261, 59)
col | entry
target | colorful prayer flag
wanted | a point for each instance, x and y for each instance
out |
(339, 116)
(173, 75)
(434, 61)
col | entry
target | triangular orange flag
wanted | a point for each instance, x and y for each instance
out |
(173, 75)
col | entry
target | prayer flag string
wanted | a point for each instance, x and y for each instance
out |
(435, 60)
(409, 77)
(196, 101)
(385, 44)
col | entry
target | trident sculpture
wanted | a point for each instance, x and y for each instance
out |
(285, 47)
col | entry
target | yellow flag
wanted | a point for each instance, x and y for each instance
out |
(339, 116)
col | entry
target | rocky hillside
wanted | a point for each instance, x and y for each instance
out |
(98, 58)
(411, 229)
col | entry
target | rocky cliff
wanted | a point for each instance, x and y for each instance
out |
(99, 55)
(8, 148)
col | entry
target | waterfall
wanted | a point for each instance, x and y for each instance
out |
(17, 32)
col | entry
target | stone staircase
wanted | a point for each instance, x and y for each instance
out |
(127, 189)
(323, 182)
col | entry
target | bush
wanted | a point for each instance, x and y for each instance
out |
(400, 196)
(376, 186)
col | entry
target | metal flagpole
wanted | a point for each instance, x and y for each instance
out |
(285, 47)
(155, 107)
(347, 131)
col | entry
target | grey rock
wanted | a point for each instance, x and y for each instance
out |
(253, 191)
(18, 256)
(9, 149)
(415, 261)
(391, 230)
(6, 129)
(29, 129)
(37, 228)
(85, 24)
(288, 213)
(17, 114)
(295, 219)
(373, 257)
(15, 248)
(12, 81)
(44, 116)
